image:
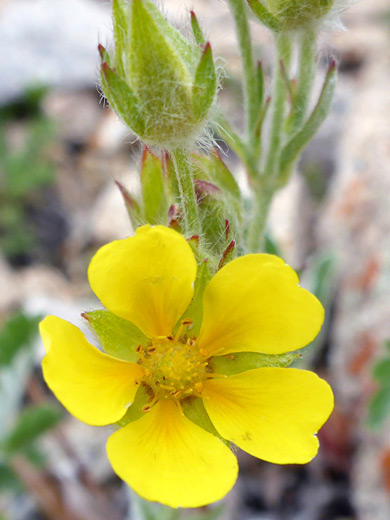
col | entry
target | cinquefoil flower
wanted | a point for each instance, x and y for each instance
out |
(253, 304)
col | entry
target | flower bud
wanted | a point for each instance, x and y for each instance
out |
(285, 15)
(158, 82)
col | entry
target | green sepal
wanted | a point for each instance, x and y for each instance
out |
(294, 147)
(154, 190)
(177, 40)
(243, 361)
(264, 16)
(194, 409)
(104, 56)
(194, 311)
(118, 337)
(120, 16)
(31, 424)
(122, 99)
(228, 254)
(133, 208)
(196, 30)
(217, 172)
(134, 412)
(205, 84)
(159, 75)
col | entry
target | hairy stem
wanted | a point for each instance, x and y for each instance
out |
(189, 206)
(278, 106)
(306, 74)
(239, 12)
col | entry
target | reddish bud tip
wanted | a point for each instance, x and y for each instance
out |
(227, 229)
(125, 194)
(85, 316)
(101, 50)
(332, 65)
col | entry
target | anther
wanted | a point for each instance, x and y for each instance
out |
(204, 352)
(184, 324)
(199, 387)
(150, 350)
(140, 350)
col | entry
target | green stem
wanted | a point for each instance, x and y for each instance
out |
(306, 74)
(189, 205)
(278, 107)
(239, 12)
(264, 190)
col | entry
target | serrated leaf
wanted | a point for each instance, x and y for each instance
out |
(118, 337)
(242, 361)
(154, 190)
(31, 424)
(18, 332)
(379, 407)
(205, 84)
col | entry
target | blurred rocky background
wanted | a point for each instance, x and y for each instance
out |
(62, 149)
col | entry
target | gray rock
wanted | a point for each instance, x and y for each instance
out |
(50, 42)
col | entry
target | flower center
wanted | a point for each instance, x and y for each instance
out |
(174, 366)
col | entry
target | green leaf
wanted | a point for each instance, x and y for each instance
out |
(8, 480)
(294, 147)
(122, 99)
(17, 333)
(196, 30)
(205, 84)
(242, 361)
(154, 190)
(31, 424)
(381, 372)
(379, 407)
(264, 15)
(118, 337)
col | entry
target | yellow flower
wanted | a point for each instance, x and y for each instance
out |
(253, 304)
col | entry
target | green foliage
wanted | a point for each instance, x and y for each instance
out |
(24, 171)
(31, 424)
(118, 337)
(8, 480)
(379, 406)
(18, 332)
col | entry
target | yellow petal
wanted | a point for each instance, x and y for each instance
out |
(147, 279)
(167, 458)
(94, 387)
(255, 304)
(272, 413)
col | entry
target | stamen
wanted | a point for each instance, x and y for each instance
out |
(140, 350)
(184, 324)
(212, 375)
(147, 407)
(204, 352)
